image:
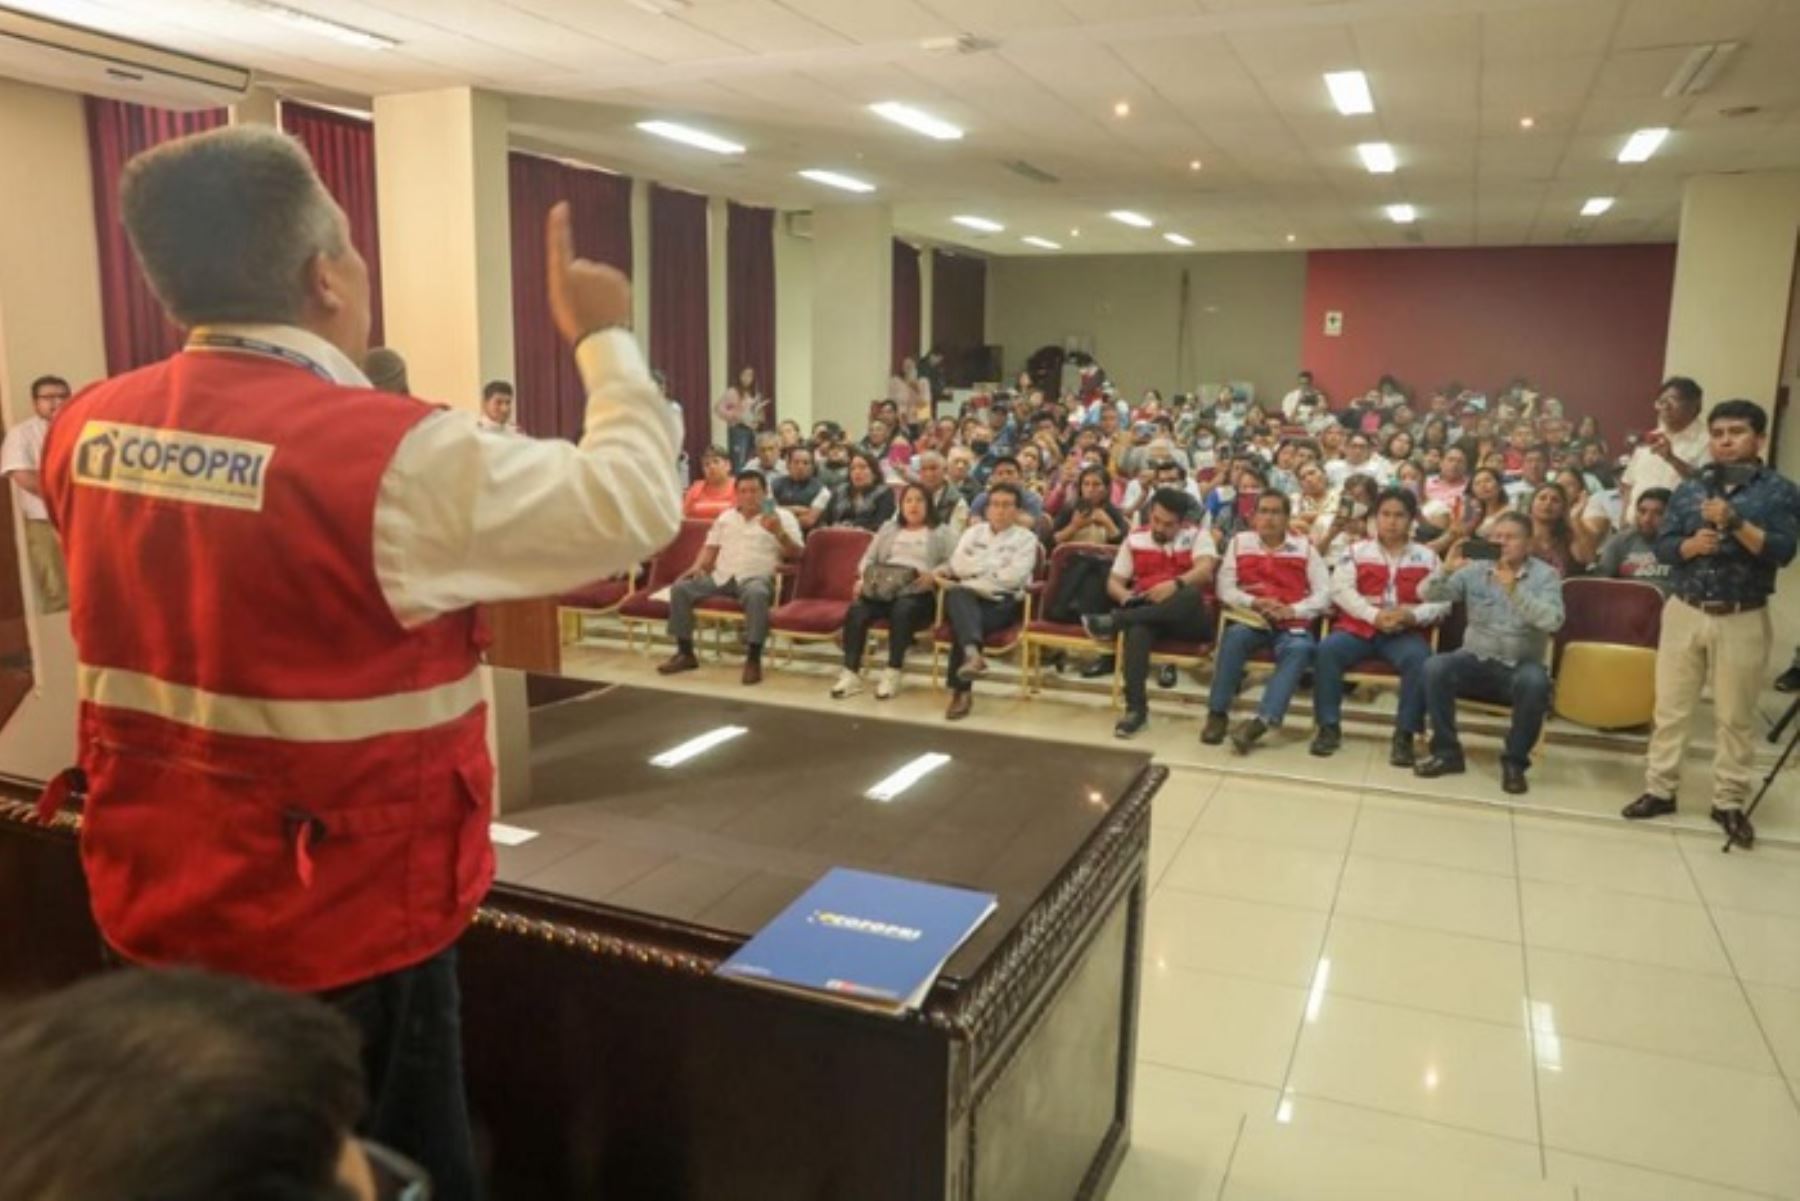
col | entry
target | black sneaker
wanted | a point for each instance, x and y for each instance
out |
(1736, 824)
(1247, 735)
(1099, 626)
(1129, 725)
(1165, 676)
(1402, 753)
(1649, 805)
(1439, 765)
(1789, 680)
(1214, 732)
(1327, 741)
(1103, 666)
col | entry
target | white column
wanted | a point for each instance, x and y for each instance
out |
(260, 106)
(446, 247)
(717, 331)
(927, 280)
(640, 263)
(852, 319)
(1734, 274)
(794, 324)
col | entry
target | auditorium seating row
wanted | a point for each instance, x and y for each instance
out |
(1602, 660)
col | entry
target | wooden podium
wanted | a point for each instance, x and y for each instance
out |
(526, 635)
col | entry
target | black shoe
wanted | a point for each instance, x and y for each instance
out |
(1327, 741)
(1512, 779)
(1439, 765)
(1736, 824)
(1165, 676)
(1099, 626)
(1789, 680)
(1648, 805)
(1214, 732)
(1247, 735)
(1103, 666)
(1402, 753)
(1129, 725)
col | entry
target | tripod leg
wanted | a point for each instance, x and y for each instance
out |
(1769, 780)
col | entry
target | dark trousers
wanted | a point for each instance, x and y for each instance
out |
(907, 614)
(972, 618)
(411, 1025)
(740, 443)
(1525, 687)
(1181, 617)
(1405, 651)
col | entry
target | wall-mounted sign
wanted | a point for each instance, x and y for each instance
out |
(1334, 323)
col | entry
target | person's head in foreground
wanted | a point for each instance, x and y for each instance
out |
(181, 1086)
(233, 225)
(1736, 428)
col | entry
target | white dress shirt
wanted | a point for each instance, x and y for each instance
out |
(747, 551)
(1647, 469)
(24, 451)
(463, 517)
(995, 564)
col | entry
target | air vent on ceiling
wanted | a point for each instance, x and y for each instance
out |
(1022, 168)
(1741, 110)
(38, 50)
(962, 43)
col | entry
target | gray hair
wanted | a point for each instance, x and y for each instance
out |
(225, 222)
(930, 458)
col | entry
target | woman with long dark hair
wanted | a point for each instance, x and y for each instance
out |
(865, 500)
(912, 542)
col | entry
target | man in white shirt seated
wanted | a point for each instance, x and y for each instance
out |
(1534, 473)
(984, 585)
(1676, 449)
(1302, 404)
(1359, 459)
(1278, 583)
(743, 549)
(497, 408)
(20, 459)
(1379, 615)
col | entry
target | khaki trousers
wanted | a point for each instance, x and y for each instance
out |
(48, 578)
(1731, 653)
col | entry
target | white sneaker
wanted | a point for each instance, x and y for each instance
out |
(848, 684)
(888, 685)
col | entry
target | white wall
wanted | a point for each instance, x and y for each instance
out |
(853, 273)
(49, 323)
(793, 326)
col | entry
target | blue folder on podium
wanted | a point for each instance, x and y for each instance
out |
(862, 938)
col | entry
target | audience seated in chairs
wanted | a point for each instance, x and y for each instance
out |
(984, 584)
(1030, 510)
(1514, 605)
(799, 491)
(715, 492)
(1092, 518)
(865, 500)
(896, 581)
(947, 501)
(1159, 582)
(1630, 554)
(743, 551)
(1379, 615)
(1276, 587)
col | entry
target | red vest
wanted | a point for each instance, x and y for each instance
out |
(1278, 574)
(1372, 571)
(283, 782)
(1154, 563)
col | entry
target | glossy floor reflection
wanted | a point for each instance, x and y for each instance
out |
(1356, 994)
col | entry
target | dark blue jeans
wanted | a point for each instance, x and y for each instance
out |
(740, 442)
(1525, 687)
(1293, 654)
(411, 1025)
(1406, 652)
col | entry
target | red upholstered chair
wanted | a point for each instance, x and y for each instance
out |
(1620, 612)
(1057, 635)
(647, 605)
(598, 599)
(1000, 642)
(823, 586)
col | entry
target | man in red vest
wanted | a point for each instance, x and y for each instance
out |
(273, 571)
(1380, 615)
(1275, 585)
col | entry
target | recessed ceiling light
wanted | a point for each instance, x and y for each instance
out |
(1378, 157)
(1041, 243)
(1641, 145)
(689, 136)
(1596, 205)
(916, 120)
(1122, 109)
(1074, 233)
(980, 223)
(1401, 214)
(1127, 217)
(1178, 239)
(1699, 69)
(337, 31)
(1194, 165)
(1527, 122)
(1291, 237)
(834, 179)
(1350, 92)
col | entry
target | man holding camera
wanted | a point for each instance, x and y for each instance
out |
(1727, 532)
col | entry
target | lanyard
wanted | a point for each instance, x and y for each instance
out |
(256, 346)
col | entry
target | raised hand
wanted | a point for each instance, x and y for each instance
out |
(584, 297)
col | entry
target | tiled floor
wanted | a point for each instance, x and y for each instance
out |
(1356, 994)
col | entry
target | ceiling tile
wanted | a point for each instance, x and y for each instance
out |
(1678, 22)
(1562, 31)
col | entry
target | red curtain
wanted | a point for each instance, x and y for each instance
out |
(137, 333)
(907, 303)
(551, 400)
(678, 308)
(958, 301)
(343, 150)
(750, 296)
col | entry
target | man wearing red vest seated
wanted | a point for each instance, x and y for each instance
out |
(1277, 584)
(273, 571)
(1156, 581)
(1380, 615)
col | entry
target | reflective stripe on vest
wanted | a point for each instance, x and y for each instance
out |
(285, 720)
